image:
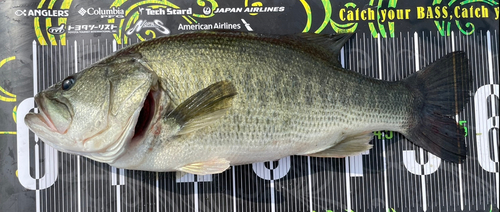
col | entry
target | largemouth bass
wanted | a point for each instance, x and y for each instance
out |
(200, 102)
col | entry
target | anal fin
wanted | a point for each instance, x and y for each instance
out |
(214, 166)
(349, 146)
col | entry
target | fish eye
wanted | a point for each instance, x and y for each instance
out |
(68, 83)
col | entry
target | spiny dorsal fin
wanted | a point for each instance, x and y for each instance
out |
(330, 43)
(204, 107)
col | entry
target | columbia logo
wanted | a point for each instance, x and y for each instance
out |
(82, 11)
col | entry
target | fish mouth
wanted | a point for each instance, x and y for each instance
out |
(44, 117)
(145, 116)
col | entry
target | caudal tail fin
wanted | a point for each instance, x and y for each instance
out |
(440, 92)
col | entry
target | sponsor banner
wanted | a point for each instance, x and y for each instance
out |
(149, 19)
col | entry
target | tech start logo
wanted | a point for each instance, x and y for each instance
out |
(143, 19)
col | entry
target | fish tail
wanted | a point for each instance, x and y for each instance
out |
(440, 91)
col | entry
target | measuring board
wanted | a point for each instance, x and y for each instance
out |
(45, 41)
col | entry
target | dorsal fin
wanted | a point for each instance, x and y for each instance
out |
(329, 44)
(325, 47)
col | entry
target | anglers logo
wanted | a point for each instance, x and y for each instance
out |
(49, 21)
(47, 13)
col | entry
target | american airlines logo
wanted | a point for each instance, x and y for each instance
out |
(247, 25)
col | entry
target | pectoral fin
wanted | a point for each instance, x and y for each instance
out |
(350, 146)
(214, 166)
(204, 107)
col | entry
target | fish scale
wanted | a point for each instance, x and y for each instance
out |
(200, 102)
(305, 109)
